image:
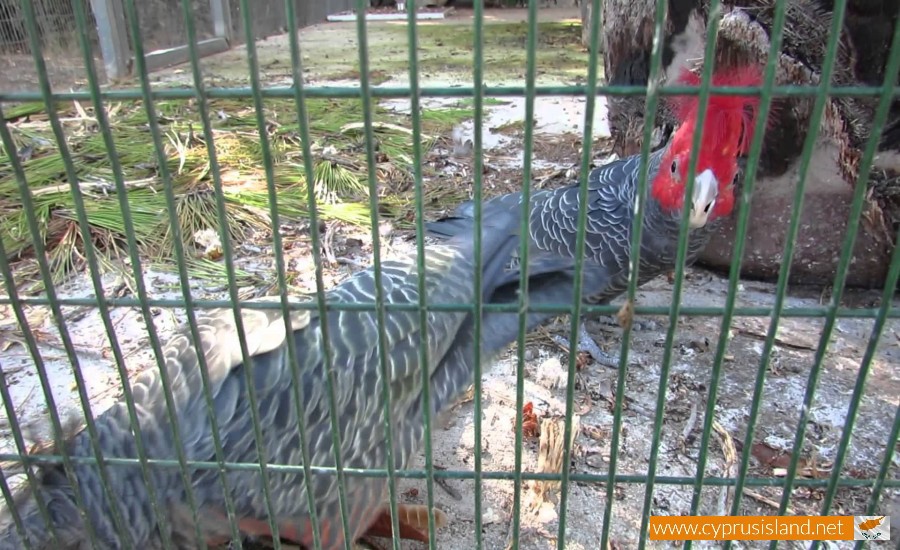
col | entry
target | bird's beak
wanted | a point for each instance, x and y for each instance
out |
(706, 189)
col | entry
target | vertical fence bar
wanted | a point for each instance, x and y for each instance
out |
(184, 279)
(365, 92)
(680, 256)
(888, 460)
(478, 170)
(316, 248)
(652, 103)
(524, 246)
(40, 366)
(35, 45)
(855, 212)
(737, 257)
(415, 113)
(888, 86)
(225, 239)
(580, 237)
(8, 406)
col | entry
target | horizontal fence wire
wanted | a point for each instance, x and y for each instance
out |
(135, 13)
(393, 92)
(559, 308)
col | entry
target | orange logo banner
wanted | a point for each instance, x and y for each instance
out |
(769, 528)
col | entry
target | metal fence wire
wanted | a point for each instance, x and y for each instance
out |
(162, 23)
(99, 462)
(54, 18)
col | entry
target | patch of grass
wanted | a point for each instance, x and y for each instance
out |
(215, 272)
(512, 127)
(469, 102)
(447, 48)
(339, 166)
(376, 77)
(19, 110)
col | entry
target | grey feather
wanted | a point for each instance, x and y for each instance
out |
(451, 348)
(612, 190)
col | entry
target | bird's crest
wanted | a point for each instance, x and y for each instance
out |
(729, 119)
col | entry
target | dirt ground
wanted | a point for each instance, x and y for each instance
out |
(559, 122)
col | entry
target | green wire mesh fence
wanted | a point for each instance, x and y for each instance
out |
(884, 476)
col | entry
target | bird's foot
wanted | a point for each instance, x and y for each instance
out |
(587, 344)
(412, 519)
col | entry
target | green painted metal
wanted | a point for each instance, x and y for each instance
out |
(694, 311)
(477, 193)
(365, 92)
(444, 91)
(893, 65)
(576, 309)
(415, 102)
(681, 254)
(530, 83)
(743, 220)
(303, 119)
(299, 92)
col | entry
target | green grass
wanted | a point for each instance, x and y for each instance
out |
(449, 49)
(445, 52)
(339, 166)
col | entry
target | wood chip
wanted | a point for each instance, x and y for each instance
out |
(550, 456)
(625, 315)
(767, 501)
(730, 453)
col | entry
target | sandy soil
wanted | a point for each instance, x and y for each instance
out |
(557, 154)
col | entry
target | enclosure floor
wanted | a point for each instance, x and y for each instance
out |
(687, 394)
(557, 156)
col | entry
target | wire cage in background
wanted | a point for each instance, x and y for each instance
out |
(57, 37)
(54, 26)
(285, 127)
(162, 23)
(218, 25)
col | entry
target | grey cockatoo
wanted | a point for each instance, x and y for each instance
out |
(612, 190)
(354, 343)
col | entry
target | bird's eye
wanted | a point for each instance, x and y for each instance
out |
(674, 167)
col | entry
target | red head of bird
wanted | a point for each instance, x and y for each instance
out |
(727, 132)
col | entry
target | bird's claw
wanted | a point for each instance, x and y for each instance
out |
(587, 344)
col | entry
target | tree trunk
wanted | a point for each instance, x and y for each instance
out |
(627, 34)
(586, 23)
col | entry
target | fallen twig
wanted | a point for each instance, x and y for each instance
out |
(353, 126)
(778, 340)
(327, 242)
(350, 262)
(539, 184)
(767, 501)
(97, 185)
(689, 425)
(730, 453)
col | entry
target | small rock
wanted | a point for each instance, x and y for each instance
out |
(489, 517)
(551, 373)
